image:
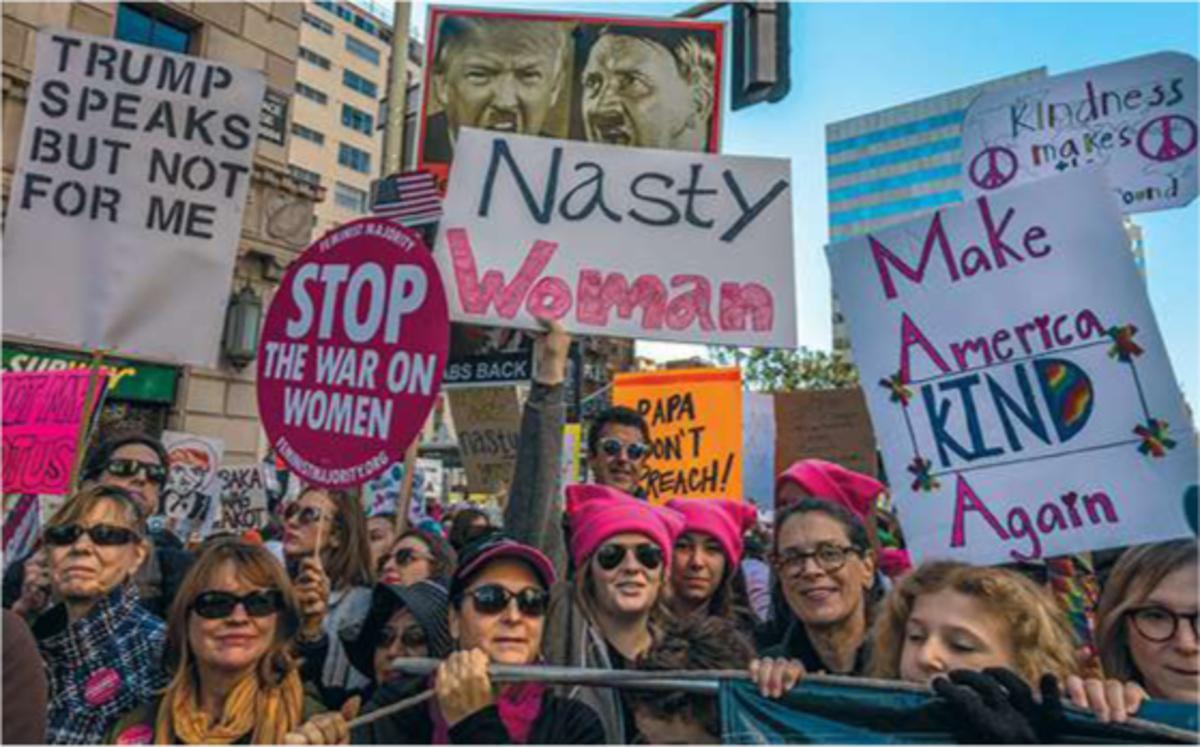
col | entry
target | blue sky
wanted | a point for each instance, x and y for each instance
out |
(854, 58)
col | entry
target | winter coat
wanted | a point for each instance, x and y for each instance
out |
(534, 509)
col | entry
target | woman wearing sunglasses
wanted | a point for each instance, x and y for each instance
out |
(103, 650)
(404, 622)
(417, 555)
(234, 677)
(706, 574)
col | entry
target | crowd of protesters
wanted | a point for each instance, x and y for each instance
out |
(118, 633)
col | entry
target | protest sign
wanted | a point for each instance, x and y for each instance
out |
(381, 495)
(43, 413)
(695, 418)
(1135, 118)
(243, 499)
(758, 449)
(1016, 377)
(829, 424)
(620, 242)
(568, 61)
(132, 173)
(352, 353)
(190, 498)
(488, 423)
(483, 356)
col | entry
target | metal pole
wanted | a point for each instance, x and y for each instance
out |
(393, 134)
(701, 9)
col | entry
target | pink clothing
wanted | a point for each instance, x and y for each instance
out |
(519, 705)
(831, 482)
(597, 513)
(726, 521)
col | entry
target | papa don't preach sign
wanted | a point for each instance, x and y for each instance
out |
(352, 353)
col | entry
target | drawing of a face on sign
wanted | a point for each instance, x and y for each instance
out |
(191, 466)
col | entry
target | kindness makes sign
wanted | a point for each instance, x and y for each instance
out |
(352, 353)
(618, 241)
(1016, 378)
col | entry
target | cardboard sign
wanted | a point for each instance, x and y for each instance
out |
(132, 174)
(243, 499)
(190, 498)
(43, 413)
(831, 424)
(619, 242)
(758, 448)
(695, 418)
(488, 422)
(1016, 377)
(575, 80)
(1135, 118)
(352, 353)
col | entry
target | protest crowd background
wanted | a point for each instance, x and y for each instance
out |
(404, 480)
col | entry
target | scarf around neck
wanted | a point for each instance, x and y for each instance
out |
(268, 712)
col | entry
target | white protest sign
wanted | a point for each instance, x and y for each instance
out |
(1135, 118)
(381, 495)
(243, 499)
(190, 497)
(623, 242)
(126, 206)
(1016, 378)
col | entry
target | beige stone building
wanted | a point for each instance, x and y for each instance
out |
(278, 219)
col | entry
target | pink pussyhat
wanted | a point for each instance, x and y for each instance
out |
(724, 520)
(831, 482)
(597, 513)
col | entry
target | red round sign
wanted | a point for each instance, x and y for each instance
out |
(352, 353)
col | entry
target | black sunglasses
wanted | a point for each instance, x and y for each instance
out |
(155, 473)
(614, 446)
(406, 555)
(492, 599)
(307, 514)
(611, 556)
(412, 637)
(216, 605)
(106, 535)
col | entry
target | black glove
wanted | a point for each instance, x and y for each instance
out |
(996, 706)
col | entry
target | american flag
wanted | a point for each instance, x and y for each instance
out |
(410, 199)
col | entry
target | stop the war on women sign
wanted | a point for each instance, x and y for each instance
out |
(1016, 378)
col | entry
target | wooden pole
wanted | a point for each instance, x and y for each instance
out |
(410, 464)
(85, 421)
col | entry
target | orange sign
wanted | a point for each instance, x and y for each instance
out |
(695, 418)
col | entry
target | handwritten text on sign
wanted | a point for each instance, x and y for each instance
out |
(1016, 378)
(695, 418)
(42, 416)
(619, 241)
(487, 421)
(243, 499)
(352, 353)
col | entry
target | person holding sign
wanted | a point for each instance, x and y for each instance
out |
(706, 571)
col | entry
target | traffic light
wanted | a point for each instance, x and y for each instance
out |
(761, 53)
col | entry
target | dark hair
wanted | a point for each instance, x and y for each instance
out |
(855, 531)
(445, 559)
(98, 458)
(619, 415)
(462, 533)
(349, 564)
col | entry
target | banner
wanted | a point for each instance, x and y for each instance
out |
(191, 496)
(488, 423)
(695, 418)
(43, 413)
(243, 499)
(829, 424)
(621, 242)
(127, 380)
(352, 353)
(576, 78)
(1135, 118)
(132, 174)
(1016, 377)
(758, 449)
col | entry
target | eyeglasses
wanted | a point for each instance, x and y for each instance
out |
(412, 637)
(155, 473)
(830, 558)
(217, 605)
(613, 447)
(492, 599)
(406, 555)
(1159, 624)
(107, 535)
(611, 556)
(304, 514)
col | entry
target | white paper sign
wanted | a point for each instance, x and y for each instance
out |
(1135, 118)
(617, 241)
(1016, 377)
(126, 207)
(243, 499)
(191, 495)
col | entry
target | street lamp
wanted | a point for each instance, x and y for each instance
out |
(240, 343)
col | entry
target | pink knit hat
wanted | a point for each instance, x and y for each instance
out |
(831, 482)
(723, 520)
(597, 512)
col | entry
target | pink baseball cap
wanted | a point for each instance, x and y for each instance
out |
(723, 519)
(831, 482)
(597, 512)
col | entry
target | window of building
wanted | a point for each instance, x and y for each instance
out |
(356, 82)
(320, 25)
(350, 198)
(353, 158)
(140, 26)
(310, 93)
(313, 58)
(357, 119)
(362, 50)
(305, 175)
(412, 98)
(308, 133)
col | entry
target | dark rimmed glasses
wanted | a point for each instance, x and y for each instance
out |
(106, 535)
(1158, 624)
(217, 605)
(829, 558)
(650, 556)
(493, 599)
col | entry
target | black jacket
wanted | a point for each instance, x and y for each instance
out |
(796, 645)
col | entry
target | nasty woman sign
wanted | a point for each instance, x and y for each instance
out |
(618, 241)
(352, 353)
(1135, 118)
(1016, 377)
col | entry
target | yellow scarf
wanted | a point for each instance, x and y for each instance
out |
(270, 712)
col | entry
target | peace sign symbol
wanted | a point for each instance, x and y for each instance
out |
(1167, 138)
(999, 166)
